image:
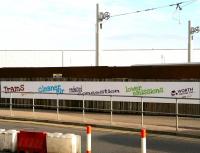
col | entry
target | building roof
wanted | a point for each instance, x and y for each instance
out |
(163, 71)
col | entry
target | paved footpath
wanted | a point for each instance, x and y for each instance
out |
(189, 127)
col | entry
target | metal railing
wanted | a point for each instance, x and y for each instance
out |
(111, 110)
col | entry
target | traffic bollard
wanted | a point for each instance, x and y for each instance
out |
(88, 147)
(143, 140)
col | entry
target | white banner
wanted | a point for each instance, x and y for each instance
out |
(101, 90)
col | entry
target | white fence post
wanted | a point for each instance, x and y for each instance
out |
(34, 106)
(142, 109)
(176, 115)
(57, 106)
(11, 113)
(33, 103)
(111, 110)
(83, 108)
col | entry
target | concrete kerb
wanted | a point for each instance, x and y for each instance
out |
(110, 127)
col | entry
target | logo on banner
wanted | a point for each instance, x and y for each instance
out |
(51, 89)
(139, 90)
(185, 92)
(10, 89)
(76, 90)
(79, 90)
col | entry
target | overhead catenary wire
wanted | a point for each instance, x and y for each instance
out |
(178, 6)
(189, 3)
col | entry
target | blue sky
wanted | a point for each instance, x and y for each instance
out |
(67, 24)
(154, 28)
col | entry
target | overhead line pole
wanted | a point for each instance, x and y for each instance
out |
(189, 41)
(100, 16)
(191, 31)
(97, 35)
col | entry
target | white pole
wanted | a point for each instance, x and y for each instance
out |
(11, 113)
(62, 58)
(57, 106)
(111, 110)
(89, 140)
(176, 115)
(33, 104)
(142, 113)
(34, 115)
(189, 41)
(83, 108)
(97, 34)
(143, 141)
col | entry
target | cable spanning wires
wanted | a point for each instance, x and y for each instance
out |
(178, 5)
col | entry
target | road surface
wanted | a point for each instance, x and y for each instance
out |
(113, 141)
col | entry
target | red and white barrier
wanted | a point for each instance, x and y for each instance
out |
(89, 146)
(143, 141)
(31, 142)
(40, 142)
